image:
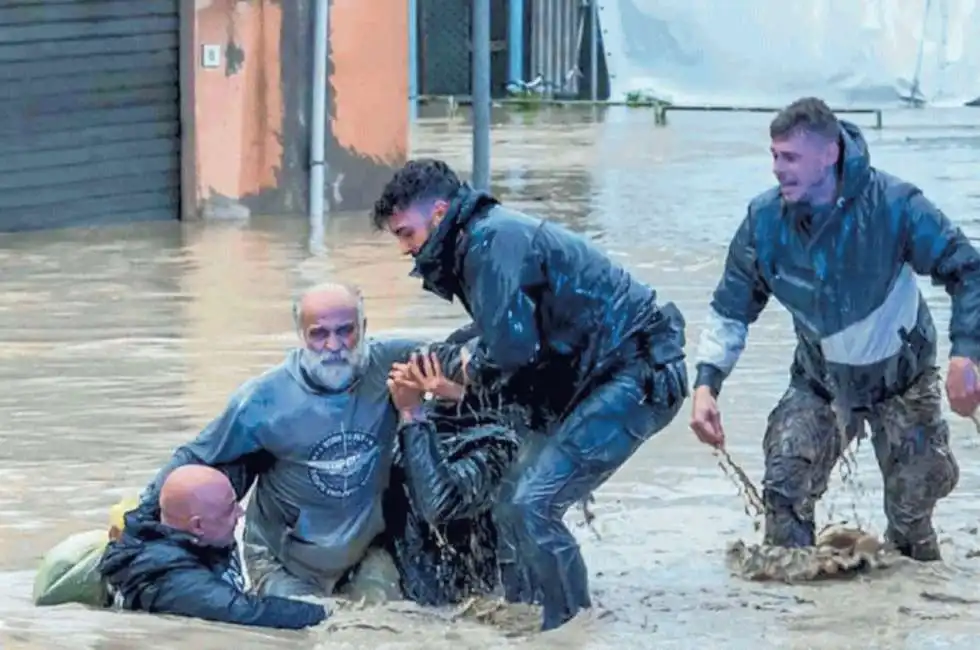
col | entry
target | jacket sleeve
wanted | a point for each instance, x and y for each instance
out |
(229, 443)
(739, 298)
(450, 357)
(496, 272)
(463, 334)
(445, 486)
(198, 593)
(935, 247)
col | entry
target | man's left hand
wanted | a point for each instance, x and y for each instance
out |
(962, 386)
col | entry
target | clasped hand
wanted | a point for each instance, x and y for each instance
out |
(409, 382)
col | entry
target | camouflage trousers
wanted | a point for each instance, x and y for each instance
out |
(805, 439)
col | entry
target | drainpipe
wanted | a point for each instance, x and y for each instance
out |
(594, 49)
(413, 61)
(515, 41)
(318, 124)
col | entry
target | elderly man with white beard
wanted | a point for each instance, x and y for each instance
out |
(315, 435)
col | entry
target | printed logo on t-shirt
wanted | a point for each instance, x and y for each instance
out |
(343, 463)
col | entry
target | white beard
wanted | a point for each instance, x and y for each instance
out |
(334, 375)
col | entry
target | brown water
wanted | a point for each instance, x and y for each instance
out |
(119, 344)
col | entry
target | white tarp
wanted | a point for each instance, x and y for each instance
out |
(769, 52)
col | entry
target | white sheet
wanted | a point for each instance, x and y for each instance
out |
(769, 52)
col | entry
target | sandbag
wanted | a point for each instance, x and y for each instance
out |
(69, 572)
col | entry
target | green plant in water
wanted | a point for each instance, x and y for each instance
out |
(640, 98)
(524, 100)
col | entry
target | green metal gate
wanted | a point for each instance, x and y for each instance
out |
(445, 47)
(89, 112)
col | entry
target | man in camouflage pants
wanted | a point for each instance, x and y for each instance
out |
(839, 244)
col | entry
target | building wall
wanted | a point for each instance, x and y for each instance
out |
(246, 122)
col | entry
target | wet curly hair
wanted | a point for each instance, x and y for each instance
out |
(423, 179)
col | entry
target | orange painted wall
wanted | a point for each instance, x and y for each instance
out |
(369, 45)
(238, 108)
(238, 113)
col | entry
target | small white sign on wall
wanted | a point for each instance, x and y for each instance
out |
(210, 56)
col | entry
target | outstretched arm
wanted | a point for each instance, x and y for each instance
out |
(229, 443)
(198, 593)
(739, 298)
(503, 311)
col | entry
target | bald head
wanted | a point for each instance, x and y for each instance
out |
(330, 320)
(201, 501)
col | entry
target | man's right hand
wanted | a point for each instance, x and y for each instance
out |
(706, 418)
(404, 394)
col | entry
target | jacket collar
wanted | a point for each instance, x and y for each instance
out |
(440, 261)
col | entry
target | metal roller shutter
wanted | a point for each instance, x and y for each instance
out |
(89, 112)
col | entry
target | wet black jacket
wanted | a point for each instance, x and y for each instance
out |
(447, 472)
(848, 278)
(154, 568)
(545, 301)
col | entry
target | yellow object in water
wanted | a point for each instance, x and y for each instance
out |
(117, 513)
(69, 572)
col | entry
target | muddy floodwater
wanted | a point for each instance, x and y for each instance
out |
(119, 344)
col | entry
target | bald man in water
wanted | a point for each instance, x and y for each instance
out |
(201, 501)
(186, 564)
